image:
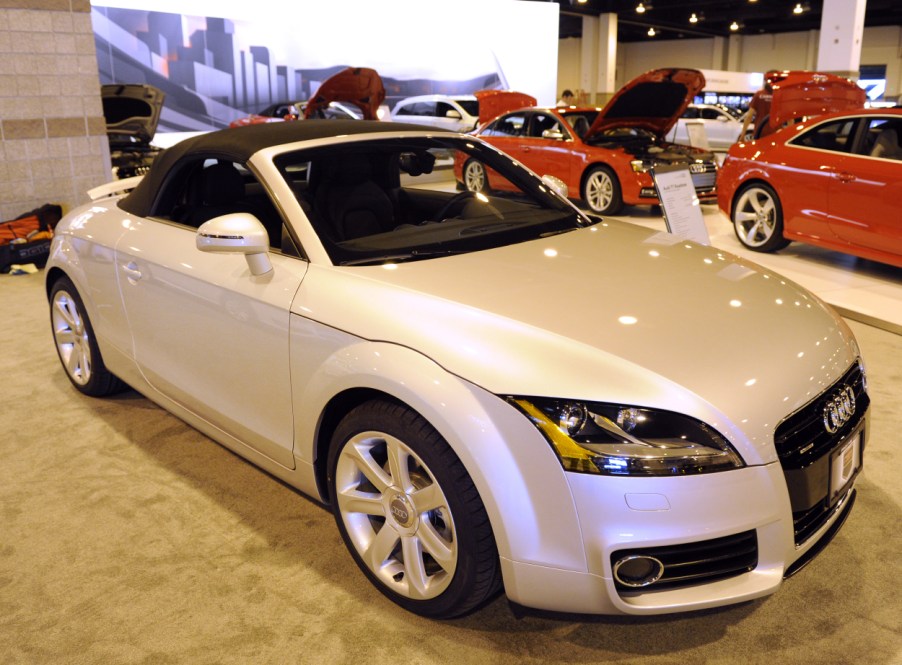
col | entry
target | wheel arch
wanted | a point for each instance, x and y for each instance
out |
(503, 453)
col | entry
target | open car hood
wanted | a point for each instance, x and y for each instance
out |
(493, 103)
(654, 101)
(132, 111)
(801, 94)
(359, 86)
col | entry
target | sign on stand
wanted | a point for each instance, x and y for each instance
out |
(682, 212)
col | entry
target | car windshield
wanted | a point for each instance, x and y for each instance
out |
(395, 199)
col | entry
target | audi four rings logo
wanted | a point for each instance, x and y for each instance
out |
(839, 409)
(696, 168)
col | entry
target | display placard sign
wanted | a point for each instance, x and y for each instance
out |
(698, 136)
(682, 212)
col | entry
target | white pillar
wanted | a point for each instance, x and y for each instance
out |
(842, 26)
(607, 56)
(588, 65)
(598, 57)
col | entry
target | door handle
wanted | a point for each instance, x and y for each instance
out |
(131, 271)
(844, 176)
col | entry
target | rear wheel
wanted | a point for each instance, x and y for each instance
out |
(475, 179)
(409, 513)
(758, 218)
(601, 191)
(75, 343)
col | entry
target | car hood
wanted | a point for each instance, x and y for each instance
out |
(359, 86)
(493, 103)
(613, 313)
(654, 101)
(800, 94)
(132, 111)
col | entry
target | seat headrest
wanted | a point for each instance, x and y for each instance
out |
(221, 184)
(416, 163)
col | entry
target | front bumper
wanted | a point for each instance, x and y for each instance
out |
(622, 514)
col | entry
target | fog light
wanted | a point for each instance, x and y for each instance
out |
(638, 570)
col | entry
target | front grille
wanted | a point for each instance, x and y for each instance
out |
(699, 562)
(804, 446)
(704, 182)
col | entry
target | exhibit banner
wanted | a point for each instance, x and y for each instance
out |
(218, 61)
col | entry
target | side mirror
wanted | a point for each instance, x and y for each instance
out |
(451, 113)
(557, 185)
(237, 233)
(553, 134)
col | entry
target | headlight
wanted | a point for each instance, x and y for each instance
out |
(617, 440)
(639, 166)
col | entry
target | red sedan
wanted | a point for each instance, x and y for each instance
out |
(835, 182)
(604, 156)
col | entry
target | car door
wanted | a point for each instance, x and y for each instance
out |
(210, 336)
(867, 188)
(546, 146)
(506, 134)
(802, 172)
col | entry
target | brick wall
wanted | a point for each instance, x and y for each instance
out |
(54, 146)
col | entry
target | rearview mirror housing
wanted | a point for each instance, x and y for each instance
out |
(240, 233)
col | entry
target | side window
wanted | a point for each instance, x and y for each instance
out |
(442, 109)
(424, 108)
(881, 138)
(710, 114)
(545, 125)
(509, 125)
(407, 109)
(835, 136)
(210, 188)
(690, 113)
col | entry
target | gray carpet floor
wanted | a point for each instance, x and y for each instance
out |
(128, 537)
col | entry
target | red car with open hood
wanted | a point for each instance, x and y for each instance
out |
(604, 156)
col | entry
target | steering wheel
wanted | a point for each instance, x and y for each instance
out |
(455, 204)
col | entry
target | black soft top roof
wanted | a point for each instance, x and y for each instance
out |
(239, 143)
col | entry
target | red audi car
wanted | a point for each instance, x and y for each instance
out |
(604, 156)
(835, 182)
(352, 93)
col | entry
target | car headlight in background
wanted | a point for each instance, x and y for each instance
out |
(640, 166)
(618, 440)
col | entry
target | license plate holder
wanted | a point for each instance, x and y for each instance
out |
(845, 463)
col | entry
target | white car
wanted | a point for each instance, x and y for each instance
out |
(488, 391)
(456, 113)
(722, 125)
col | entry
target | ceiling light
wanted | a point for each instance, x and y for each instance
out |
(693, 18)
(734, 26)
(651, 32)
(640, 8)
(798, 9)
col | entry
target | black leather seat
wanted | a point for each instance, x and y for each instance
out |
(220, 190)
(349, 201)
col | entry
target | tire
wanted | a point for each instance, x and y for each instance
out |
(475, 178)
(436, 559)
(758, 218)
(601, 191)
(76, 344)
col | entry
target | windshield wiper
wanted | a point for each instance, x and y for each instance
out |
(407, 256)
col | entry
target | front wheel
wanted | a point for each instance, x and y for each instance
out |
(76, 344)
(409, 513)
(601, 191)
(758, 218)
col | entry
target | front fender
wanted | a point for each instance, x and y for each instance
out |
(519, 478)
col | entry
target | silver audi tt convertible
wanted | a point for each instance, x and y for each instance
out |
(490, 391)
